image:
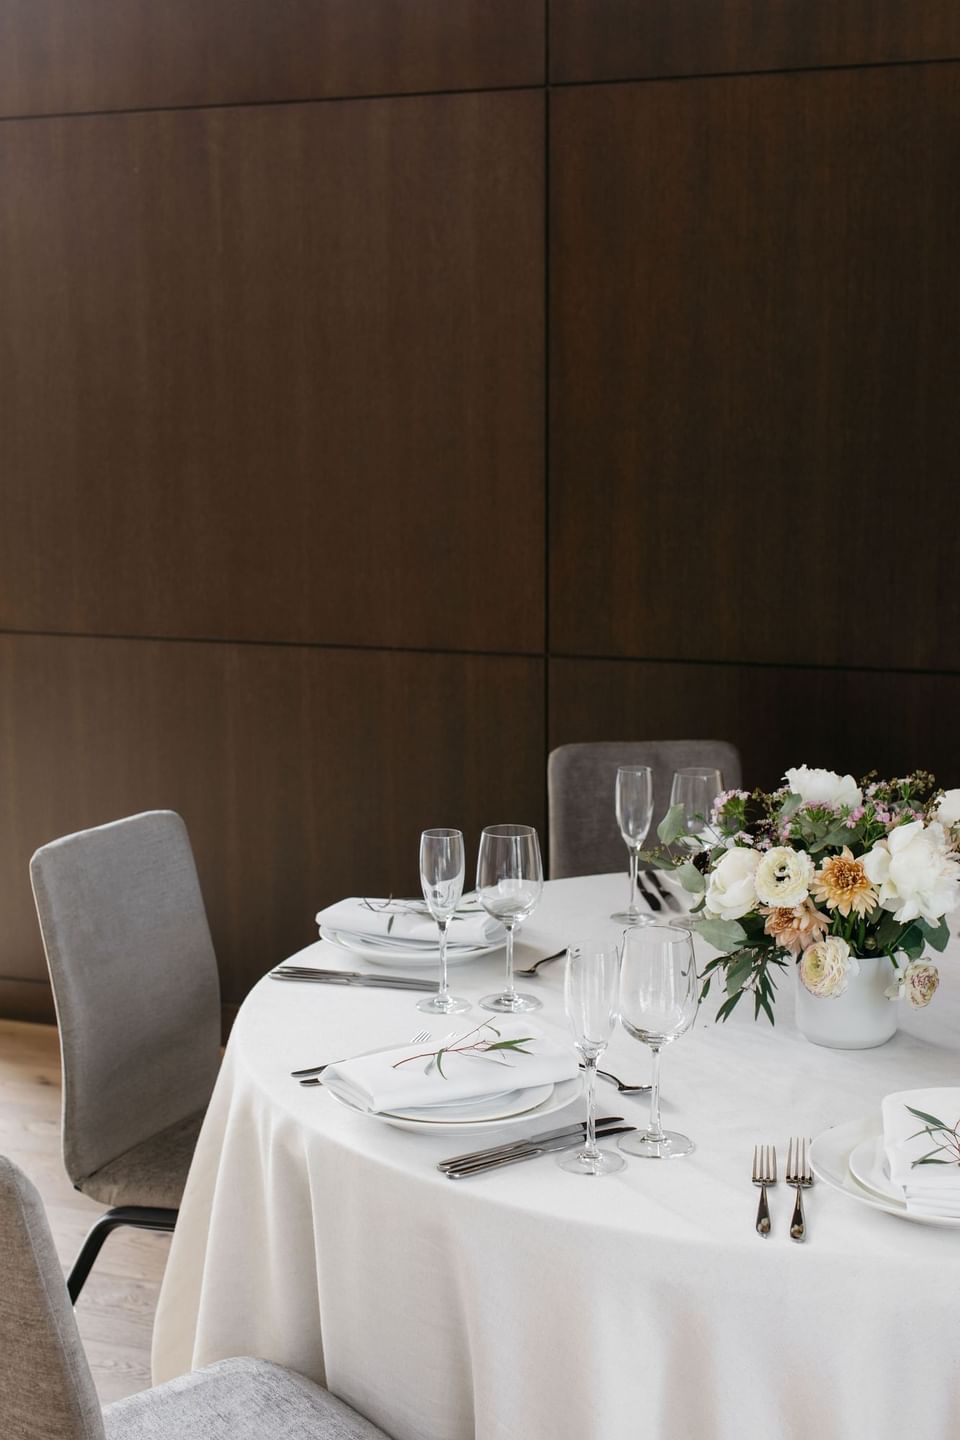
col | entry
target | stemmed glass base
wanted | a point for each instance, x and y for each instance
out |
(505, 1004)
(604, 1162)
(632, 917)
(668, 1145)
(443, 1005)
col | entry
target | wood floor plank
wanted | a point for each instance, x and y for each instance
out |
(116, 1309)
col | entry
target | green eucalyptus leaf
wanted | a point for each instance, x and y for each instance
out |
(937, 936)
(928, 1119)
(739, 970)
(690, 877)
(673, 824)
(721, 934)
(728, 1006)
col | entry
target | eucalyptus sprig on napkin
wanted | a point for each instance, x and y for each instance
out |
(933, 1127)
(483, 1047)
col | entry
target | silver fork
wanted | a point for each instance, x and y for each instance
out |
(532, 969)
(764, 1174)
(313, 1070)
(800, 1175)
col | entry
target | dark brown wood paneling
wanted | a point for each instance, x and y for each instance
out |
(59, 56)
(303, 775)
(756, 341)
(633, 39)
(846, 720)
(276, 373)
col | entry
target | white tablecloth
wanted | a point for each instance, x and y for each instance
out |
(534, 1305)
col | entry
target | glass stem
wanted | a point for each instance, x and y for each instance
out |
(510, 989)
(634, 867)
(590, 1085)
(656, 1129)
(443, 994)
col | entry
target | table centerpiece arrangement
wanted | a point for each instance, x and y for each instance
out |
(850, 884)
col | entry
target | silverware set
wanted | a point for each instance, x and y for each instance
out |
(656, 893)
(363, 980)
(798, 1174)
(495, 1157)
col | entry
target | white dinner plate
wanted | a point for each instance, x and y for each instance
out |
(385, 952)
(558, 1096)
(491, 1107)
(831, 1154)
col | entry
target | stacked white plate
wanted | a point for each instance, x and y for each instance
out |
(850, 1158)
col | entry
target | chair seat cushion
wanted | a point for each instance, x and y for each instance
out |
(235, 1399)
(152, 1173)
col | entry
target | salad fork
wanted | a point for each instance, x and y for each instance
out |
(764, 1174)
(800, 1175)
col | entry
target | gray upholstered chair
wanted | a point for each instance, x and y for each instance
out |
(581, 779)
(138, 1005)
(47, 1391)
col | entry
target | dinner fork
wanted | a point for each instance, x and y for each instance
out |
(312, 1070)
(798, 1173)
(764, 1174)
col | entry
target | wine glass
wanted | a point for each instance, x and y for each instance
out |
(634, 796)
(441, 876)
(590, 990)
(695, 788)
(509, 886)
(659, 994)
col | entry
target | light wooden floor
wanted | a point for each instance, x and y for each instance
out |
(115, 1310)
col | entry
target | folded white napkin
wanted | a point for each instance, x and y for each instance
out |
(407, 1078)
(396, 925)
(927, 1189)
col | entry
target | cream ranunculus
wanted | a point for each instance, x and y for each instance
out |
(920, 981)
(915, 872)
(948, 808)
(826, 967)
(731, 892)
(783, 877)
(823, 787)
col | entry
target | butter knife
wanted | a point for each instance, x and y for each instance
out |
(354, 977)
(492, 1150)
(530, 1152)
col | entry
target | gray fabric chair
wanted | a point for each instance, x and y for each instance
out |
(135, 984)
(581, 780)
(47, 1391)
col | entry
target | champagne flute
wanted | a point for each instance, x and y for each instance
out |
(590, 990)
(634, 798)
(695, 788)
(509, 886)
(441, 877)
(659, 995)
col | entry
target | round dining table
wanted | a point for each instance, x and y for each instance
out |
(533, 1304)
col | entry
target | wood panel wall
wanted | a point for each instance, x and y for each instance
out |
(383, 402)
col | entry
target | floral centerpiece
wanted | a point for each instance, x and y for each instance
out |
(822, 873)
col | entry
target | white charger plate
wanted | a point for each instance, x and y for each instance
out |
(557, 1097)
(384, 952)
(833, 1155)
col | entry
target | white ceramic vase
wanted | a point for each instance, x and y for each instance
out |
(859, 1019)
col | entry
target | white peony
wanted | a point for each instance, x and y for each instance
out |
(948, 808)
(731, 892)
(825, 968)
(783, 877)
(915, 872)
(823, 787)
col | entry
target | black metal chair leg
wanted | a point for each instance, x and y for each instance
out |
(141, 1217)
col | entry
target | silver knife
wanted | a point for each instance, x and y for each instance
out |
(492, 1150)
(672, 902)
(514, 1157)
(346, 977)
(648, 892)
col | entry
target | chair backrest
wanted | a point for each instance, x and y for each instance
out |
(581, 780)
(134, 980)
(46, 1389)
